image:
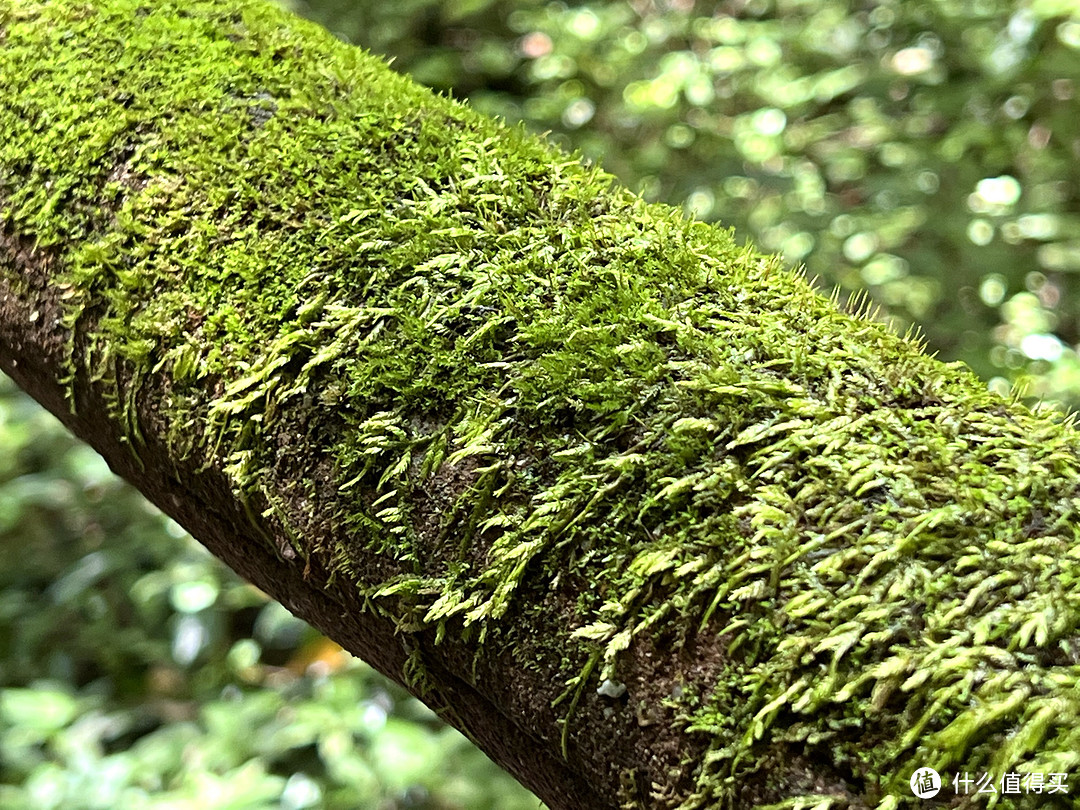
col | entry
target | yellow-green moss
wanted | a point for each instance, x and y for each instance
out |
(887, 552)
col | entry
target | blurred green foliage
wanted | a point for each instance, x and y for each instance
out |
(924, 152)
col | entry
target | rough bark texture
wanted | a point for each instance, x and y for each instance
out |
(639, 511)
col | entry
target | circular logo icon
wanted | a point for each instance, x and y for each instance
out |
(925, 783)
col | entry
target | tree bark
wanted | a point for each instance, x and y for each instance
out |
(633, 507)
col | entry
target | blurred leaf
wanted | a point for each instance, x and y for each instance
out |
(41, 709)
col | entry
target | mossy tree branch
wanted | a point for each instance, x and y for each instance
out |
(640, 511)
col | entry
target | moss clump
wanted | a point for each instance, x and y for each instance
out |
(526, 377)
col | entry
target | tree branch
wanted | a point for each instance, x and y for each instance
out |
(635, 508)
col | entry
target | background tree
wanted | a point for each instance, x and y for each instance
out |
(926, 153)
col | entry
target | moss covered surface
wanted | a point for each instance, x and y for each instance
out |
(530, 382)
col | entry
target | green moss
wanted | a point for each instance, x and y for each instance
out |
(602, 391)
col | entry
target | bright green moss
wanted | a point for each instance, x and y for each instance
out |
(298, 237)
